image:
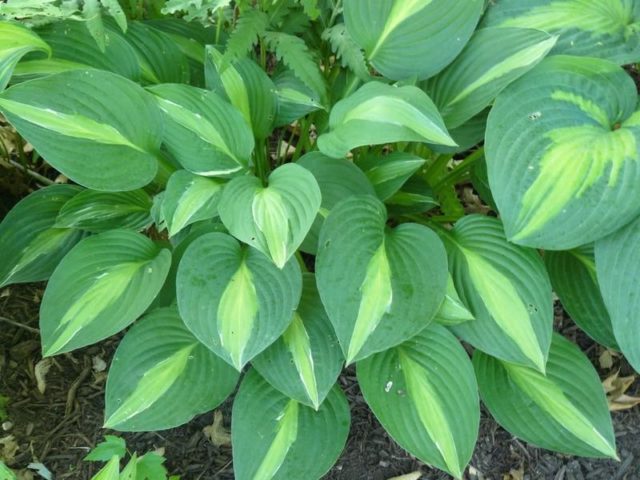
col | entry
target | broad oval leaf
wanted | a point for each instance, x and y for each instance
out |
(97, 128)
(15, 42)
(569, 114)
(408, 38)
(101, 286)
(274, 219)
(294, 98)
(606, 29)
(30, 243)
(565, 411)
(189, 198)
(232, 297)
(95, 211)
(425, 395)
(618, 265)
(574, 279)
(377, 114)
(338, 178)
(387, 173)
(379, 286)
(505, 287)
(203, 132)
(304, 363)
(161, 376)
(493, 58)
(275, 437)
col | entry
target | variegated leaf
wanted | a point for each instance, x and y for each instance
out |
(15, 42)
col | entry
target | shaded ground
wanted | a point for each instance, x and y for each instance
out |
(58, 428)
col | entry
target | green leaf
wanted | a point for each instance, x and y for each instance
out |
(162, 376)
(130, 471)
(348, 51)
(304, 363)
(232, 297)
(203, 132)
(573, 276)
(275, 437)
(403, 39)
(15, 42)
(189, 198)
(617, 265)
(565, 411)
(294, 99)
(493, 58)
(30, 243)
(380, 286)
(388, 173)
(429, 407)
(377, 114)
(251, 24)
(97, 128)
(505, 287)
(101, 286)
(150, 467)
(569, 114)
(452, 311)
(6, 473)
(608, 29)
(274, 219)
(111, 446)
(111, 471)
(100, 211)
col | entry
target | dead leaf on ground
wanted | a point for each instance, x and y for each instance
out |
(408, 476)
(616, 388)
(8, 449)
(606, 358)
(41, 370)
(515, 474)
(216, 433)
(99, 365)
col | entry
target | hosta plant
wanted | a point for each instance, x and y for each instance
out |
(280, 191)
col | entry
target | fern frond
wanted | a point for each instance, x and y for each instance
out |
(250, 26)
(349, 53)
(310, 7)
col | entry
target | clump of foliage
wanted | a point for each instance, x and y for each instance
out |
(278, 195)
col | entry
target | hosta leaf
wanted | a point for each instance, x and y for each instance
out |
(101, 286)
(188, 199)
(305, 361)
(389, 172)
(97, 128)
(233, 298)
(100, 211)
(617, 265)
(15, 42)
(415, 196)
(573, 276)
(377, 114)
(294, 98)
(161, 376)
(404, 38)
(565, 411)
(111, 471)
(31, 245)
(246, 86)
(429, 407)
(275, 437)
(569, 114)
(505, 287)
(203, 132)
(452, 311)
(493, 58)
(467, 135)
(608, 29)
(379, 286)
(338, 179)
(274, 219)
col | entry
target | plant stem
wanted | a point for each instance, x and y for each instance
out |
(31, 173)
(261, 161)
(461, 169)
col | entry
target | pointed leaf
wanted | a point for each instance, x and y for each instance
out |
(15, 42)
(111, 446)
(294, 99)
(452, 311)
(388, 173)
(111, 471)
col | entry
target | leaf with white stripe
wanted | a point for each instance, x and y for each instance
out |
(15, 42)
(203, 132)
(233, 298)
(380, 286)
(97, 128)
(505, 287)
(565, 411)
(425, 395)
(161, 376)
(275, 437)
(101, 286)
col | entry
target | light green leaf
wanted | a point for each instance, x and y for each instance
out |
(232, 297)
(377, 114)
(161, 376)
(568, 114)
(275, 437)
(294, 99)
(274, 219)
(106, 449)
(452, 311)
(15, 42)
(565, 411)
(101, 286)
(388, 173)
(380, 286)
(430, 408)
(111, 471)
(505, 287)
